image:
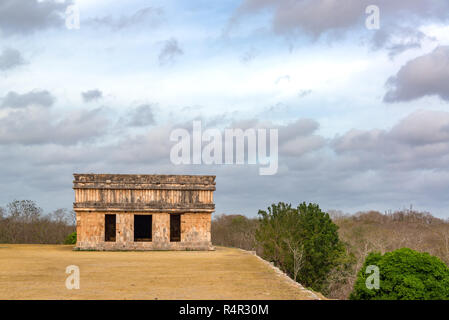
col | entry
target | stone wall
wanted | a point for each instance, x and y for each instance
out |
(195, 232)
(195, 227)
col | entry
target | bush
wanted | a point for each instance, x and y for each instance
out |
(70, 239)
(302, 241)
(405, 274)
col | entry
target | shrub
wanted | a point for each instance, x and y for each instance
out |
(302, 241)
(70, 239)
(404, 274)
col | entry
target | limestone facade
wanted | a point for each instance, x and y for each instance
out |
(122, 198)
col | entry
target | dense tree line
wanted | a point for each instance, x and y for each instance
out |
(358, 235)
(22, 221)
(235, 231)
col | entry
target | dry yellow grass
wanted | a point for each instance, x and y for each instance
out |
(38, 272)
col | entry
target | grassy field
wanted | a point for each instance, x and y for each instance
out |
(38, 272)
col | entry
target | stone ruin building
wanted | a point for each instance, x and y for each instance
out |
(143, 212)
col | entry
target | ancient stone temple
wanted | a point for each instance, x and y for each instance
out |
(143, 212)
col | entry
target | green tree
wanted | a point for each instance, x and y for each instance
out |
(405, 274)
(302, 241)
(70, 239)
(322, 246)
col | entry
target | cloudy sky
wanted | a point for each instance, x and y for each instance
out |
(362, 114)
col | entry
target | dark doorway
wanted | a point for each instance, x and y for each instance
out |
(109, 227)
(143, 228)
(175, 227)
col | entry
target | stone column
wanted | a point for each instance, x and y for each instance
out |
(125, 225)
(161, 228)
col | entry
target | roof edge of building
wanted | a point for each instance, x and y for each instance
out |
(90, 180)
